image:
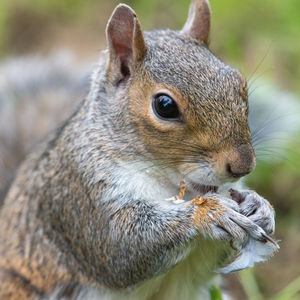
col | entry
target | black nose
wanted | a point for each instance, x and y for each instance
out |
(241, 162)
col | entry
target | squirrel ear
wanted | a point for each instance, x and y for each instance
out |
(125, 41)
(197, 25)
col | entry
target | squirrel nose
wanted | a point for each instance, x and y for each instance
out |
(241, 162)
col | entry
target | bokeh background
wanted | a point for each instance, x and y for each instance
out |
(48, 47)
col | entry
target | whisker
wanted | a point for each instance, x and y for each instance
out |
(269, 124)
(265, 140)
(259, 64)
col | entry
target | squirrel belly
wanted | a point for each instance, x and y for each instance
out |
(89, 214)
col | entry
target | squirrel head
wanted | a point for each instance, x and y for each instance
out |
(174, 102)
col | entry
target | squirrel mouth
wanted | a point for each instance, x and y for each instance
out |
(203, 189)
(199, 188)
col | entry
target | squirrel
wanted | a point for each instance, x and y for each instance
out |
(89, 214)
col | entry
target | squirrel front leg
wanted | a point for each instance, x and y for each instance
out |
(144, 240)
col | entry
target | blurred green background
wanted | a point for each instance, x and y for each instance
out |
(261, 38)
(243, 32)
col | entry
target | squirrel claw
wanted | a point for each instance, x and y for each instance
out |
(269, 239)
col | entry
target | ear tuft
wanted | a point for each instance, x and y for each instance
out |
(125, 39)
(197, 25)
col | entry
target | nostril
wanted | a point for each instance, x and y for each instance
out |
(228, 168)
(233, 173)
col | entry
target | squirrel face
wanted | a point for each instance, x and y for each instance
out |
(211, 129)
(188, 109)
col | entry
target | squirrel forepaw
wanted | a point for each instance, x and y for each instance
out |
(242, 221)
(218, 218)
(256, 208)
(253, 250)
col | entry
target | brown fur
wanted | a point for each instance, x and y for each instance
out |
(73, 214)
(205, 205)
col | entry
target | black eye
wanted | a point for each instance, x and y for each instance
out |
(165, 107)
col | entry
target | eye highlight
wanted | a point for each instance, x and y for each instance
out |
(165, 107)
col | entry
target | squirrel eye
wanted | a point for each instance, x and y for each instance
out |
(165, 107)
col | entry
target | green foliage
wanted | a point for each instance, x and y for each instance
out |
(249, 284)
(289, 292)
(64, 8)
(3, 12)
(242, 31)
(253, 292)
(279, 180)
(215, 293)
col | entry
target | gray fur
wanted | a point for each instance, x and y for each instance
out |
(73, 214)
